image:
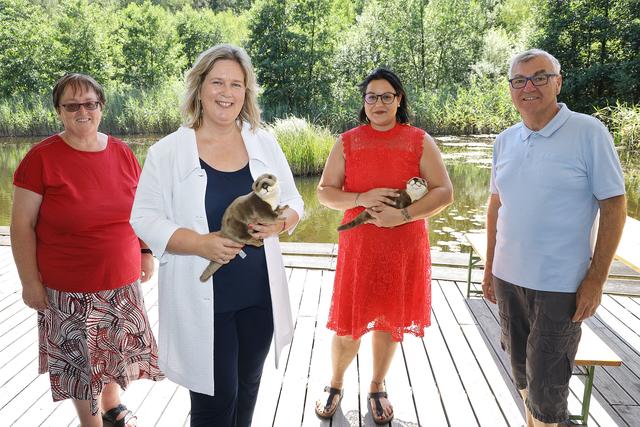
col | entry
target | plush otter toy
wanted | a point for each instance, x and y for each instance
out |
(259, 206)
(416, 188)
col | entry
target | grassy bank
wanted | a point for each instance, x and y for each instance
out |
(482, 106)
(624, 122)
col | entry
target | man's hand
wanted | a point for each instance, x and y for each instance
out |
(487, 288)
(588, 299)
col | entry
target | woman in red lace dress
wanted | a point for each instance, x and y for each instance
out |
(383, 275)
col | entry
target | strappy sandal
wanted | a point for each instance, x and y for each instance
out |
(112, 414)
(379, 411)
(328, 410)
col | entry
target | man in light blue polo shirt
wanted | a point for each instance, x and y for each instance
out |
(546, 267)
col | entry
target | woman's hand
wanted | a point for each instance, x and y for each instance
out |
(219, 249)
(385, 216)
(263, 230)
(34, 295)
(147, 266)
(376, 197)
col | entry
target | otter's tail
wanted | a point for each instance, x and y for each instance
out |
(209, 271)
(359, 220)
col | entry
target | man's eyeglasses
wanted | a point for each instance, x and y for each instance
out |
(386, 98)
(73, 107)
(537, 80)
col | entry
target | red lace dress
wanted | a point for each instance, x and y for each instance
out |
(383, 275)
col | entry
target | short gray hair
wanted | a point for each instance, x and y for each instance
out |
(192, 107)
(528, 55)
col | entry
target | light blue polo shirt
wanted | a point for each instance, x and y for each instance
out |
(549, 183)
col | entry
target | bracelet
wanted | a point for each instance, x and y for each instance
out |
(357, 196)
(405, 214)
(146, 251)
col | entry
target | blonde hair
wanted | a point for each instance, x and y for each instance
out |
(192, 107)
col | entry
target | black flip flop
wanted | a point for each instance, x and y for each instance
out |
(333, 392)
(112, 414)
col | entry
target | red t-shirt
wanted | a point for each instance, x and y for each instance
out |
(84, 240)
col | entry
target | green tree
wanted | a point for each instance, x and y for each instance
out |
(598, 45)
(149, 49)
(83, 41)
(27, 51)
(198, 30)
(291, 46)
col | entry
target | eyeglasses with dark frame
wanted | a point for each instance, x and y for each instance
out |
(386, 98)
(537, 80)
(73, 106)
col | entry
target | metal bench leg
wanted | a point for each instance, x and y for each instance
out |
(586, 397)
(469, 271)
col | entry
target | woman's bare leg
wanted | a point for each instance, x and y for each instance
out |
(343, 351)
(383, 350)
(83, 408)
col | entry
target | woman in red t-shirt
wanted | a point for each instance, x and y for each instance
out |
(80, 262)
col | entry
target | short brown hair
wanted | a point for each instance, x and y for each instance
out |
(191, 106)
(77, 82)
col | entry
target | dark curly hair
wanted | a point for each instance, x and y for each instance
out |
(402, 115)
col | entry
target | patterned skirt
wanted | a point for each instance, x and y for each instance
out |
(90, 339)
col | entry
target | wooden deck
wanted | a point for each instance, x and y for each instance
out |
(456, 376)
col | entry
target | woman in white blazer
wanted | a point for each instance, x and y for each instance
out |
(214, 337)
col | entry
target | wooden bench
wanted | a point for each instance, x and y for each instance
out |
(592, 351)
(628, 251)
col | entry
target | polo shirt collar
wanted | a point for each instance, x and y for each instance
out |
(556, 123)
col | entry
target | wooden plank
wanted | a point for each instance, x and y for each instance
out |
(316, 262)
(593, 351)
(294, 385)
(483, 401)
(320, 368)
(429, 405)
(38, 412)
(26, 398)
(176, 412)
(481, 350)
(271, 382)
(629, 413)
(158, 396)
(629, 248)
(448, 381)
(399, 390)
(364, 363)
(299, 248)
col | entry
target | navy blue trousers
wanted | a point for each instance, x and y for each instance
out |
(241, 343)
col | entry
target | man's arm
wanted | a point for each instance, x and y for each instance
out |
(613, 213)
(492, 225)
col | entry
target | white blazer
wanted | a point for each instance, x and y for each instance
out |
(170, 195)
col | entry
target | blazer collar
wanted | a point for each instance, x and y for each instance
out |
(187, 149)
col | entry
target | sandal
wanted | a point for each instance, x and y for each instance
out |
(379, 411)
(328, 410)
(112, 414)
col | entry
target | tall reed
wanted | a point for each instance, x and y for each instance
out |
(623, 121)
(306, 146)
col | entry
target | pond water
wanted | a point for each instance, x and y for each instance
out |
(468, 161)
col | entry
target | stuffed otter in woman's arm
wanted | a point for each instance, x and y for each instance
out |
(415, 189)
(259, 206)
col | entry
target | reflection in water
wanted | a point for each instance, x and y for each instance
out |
(468, 162)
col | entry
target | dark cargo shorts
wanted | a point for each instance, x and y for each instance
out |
(542, 342)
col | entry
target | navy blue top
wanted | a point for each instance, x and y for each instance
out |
(243, 282)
